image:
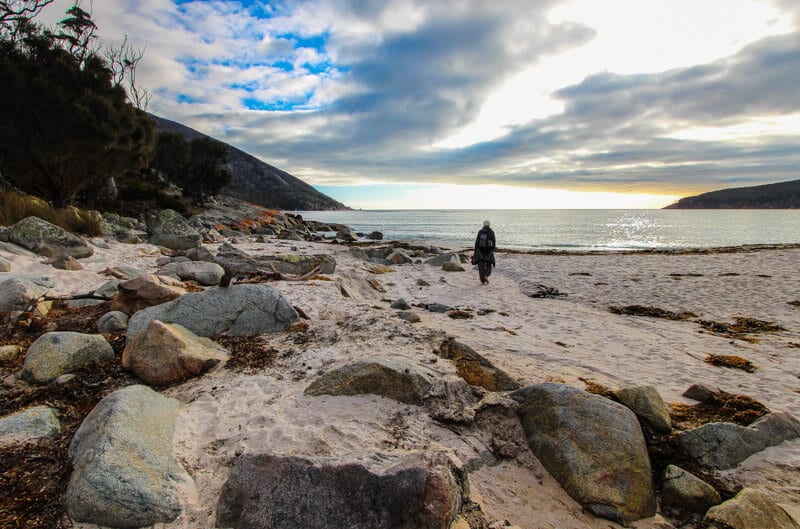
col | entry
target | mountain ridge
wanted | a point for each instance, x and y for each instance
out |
(780, 195)
(259, 182)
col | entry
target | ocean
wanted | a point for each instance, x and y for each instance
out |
(579, 229)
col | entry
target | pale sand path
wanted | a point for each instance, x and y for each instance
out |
(566, 339)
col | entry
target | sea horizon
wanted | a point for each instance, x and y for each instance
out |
(578, 229)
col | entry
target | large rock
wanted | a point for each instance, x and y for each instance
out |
(47, 239)
(474, 368)
(240, 310)
(593, 446)
(170, 230)
(684, 491)
(124, 473)
(648, 405)
(29, 424)
(723, 445)
(146, 291)
(750, 509)
(56, 353)
(418, 491)
(205, 273)
(17, 293)
(389, 377)
(165, 354)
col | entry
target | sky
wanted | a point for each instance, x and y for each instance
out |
(482, 104)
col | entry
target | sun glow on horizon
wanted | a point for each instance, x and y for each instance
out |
(490, 196)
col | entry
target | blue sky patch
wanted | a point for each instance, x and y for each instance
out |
(300, 102)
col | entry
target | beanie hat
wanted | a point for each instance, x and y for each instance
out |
(486, 223)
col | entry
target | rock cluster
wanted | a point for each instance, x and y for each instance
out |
(126, 476)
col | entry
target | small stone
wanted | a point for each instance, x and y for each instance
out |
(400, 304)
(9, 352)
(410, 317)
(701, 392)
(29, 424)
(682, 490)
(452, 267)
(111, 322)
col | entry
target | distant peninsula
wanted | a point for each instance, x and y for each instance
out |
(782, 195)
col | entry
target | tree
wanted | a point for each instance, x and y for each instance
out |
(171, 156)
(78, 34)
(123, 61)
(66, 127)
(16, 15)
(205, 175)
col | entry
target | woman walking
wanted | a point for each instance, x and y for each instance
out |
(485, 244)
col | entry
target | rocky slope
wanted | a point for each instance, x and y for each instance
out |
(259, 182)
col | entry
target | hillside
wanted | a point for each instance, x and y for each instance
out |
(258, 182)
(783, 195)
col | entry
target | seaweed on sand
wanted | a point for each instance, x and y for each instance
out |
(735, 362)
(247, 353)
(724, 407)
(741, 326)
(652, 312)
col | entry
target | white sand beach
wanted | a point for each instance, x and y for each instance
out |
(571, 339)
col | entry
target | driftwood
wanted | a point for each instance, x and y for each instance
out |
(543, 291)
(90, 295)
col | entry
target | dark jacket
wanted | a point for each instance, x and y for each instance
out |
(485, 255)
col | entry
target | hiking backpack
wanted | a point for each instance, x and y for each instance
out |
(484, 242)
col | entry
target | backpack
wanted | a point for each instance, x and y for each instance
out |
(484, 242)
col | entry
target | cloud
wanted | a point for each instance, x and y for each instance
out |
(342, 91)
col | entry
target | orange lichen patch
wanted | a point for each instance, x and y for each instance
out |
(736, 362)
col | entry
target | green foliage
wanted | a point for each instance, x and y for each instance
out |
(16, 206)
(196, 166)
(205, 175)
(66, 126)
(136, 190)
(171, 155)
(167, 201)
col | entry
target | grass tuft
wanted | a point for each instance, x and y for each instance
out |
(15, 206)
